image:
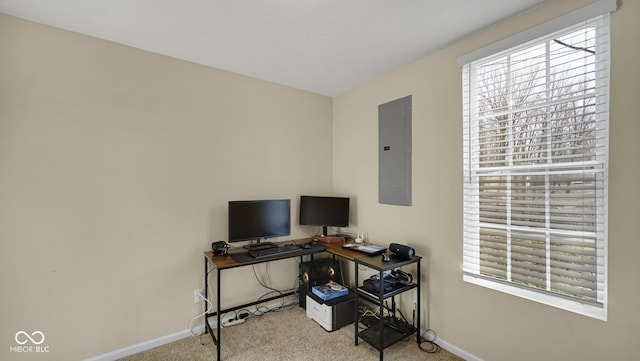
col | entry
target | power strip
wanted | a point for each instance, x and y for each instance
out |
(241, 317)
(232, 322)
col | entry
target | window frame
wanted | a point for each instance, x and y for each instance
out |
(471, 197)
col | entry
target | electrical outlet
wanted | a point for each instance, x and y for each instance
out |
(198, 295)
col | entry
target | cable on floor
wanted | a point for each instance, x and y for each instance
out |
(427, 344)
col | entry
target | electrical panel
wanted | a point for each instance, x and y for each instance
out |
(394, 152)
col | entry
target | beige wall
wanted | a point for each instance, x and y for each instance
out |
(487, 324)
(115, 169)
(116, 166)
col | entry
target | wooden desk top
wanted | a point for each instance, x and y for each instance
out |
(226, 261)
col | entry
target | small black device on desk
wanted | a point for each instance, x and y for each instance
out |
(219, 248)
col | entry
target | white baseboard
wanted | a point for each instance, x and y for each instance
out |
(144, 346)
(456, 350)
(147, 345)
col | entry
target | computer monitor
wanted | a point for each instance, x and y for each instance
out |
(259, 219)
(324, 211)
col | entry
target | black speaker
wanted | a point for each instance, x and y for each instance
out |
(401, 250)
(316, 272)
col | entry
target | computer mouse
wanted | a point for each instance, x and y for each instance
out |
(386, 257)
(305, 246)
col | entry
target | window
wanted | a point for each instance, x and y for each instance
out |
(535, 168)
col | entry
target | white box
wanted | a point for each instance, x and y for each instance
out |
(320, 313)
(332, 314)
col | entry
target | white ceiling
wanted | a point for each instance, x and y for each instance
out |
(323, 46)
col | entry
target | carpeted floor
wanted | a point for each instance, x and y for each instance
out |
(286, 335)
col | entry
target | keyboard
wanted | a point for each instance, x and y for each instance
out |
(275, 251)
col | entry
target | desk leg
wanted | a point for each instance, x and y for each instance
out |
(381, 308)
(418, 306)
(207, 327)
(356, 317)
(218, 315)
(206, 293)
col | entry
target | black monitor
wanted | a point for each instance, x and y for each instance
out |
(259, 219)
(324, 211)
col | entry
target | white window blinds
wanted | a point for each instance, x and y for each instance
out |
(535, 168)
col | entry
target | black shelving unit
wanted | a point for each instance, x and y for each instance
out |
(386, 330)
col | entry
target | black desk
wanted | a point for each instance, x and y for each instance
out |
(227, 262)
